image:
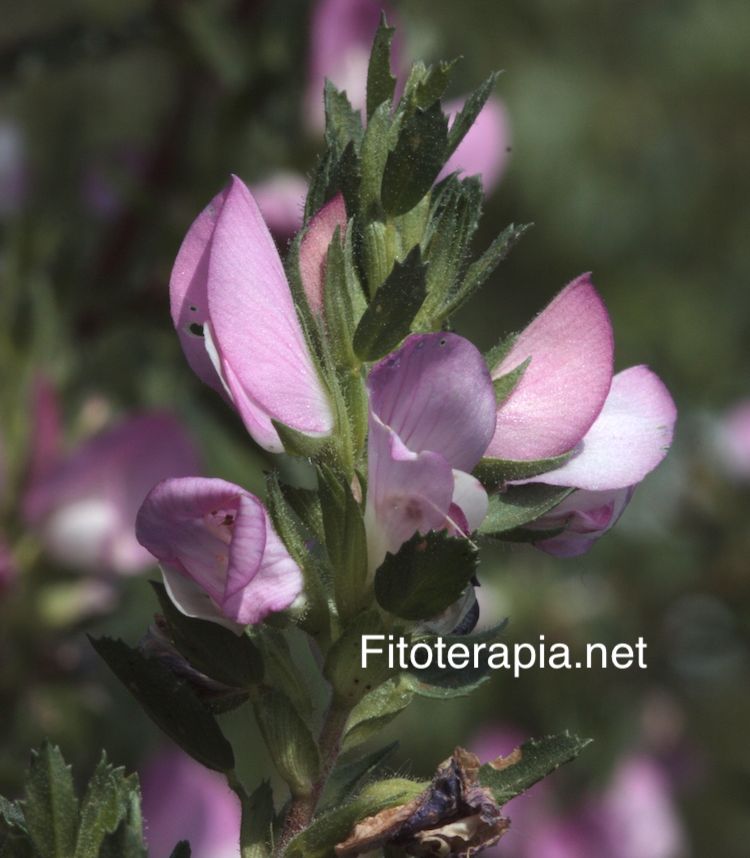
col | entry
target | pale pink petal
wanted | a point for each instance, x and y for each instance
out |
(436, 394)
(563, 389)
(471, 498)
(84, 508)
(587, 516)
(629, 439)
(220, 537)
(733, 440)
(485, 148)
(188, 291)
(255, 325)
(313, 249)
(281, 200)
(406, 492)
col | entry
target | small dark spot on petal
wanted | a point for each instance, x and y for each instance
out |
(443, 341)
(193, 308)
(195, 329)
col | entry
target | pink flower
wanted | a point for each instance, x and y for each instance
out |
(234, 314)
(733, 440)
(432, 414)
(220, 556)
(313, 250)
(182, 800)
(84, 505)
(618, 427)
(281, 200)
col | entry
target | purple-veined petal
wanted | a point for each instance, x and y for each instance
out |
(341, 34)
(563, 389)
(587, 516)
(629, 439)
(485, 148)
(406, 492)
(281, 200)
(471, 498)
(219, 537)
(436, 394)
(255, 326)
(84, 507)
(313, 250)
(188, 292)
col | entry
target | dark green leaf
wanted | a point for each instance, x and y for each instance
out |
(210, 648)
(170, 703)
(343, 123)
(297, 443)
(388, 318)
(343, 668)
(506, 384)
(377, 709)
(306, 506)
(434, 82)
(529, 764)
(257, 822)
(376, 145)
(416, 160)
(520, 505)
(281, 671)
(290, 743)
(104, 806)
(468, 114)
(127, 841)
(346, 541)
(381, 84)
(50, 807)
(493, 473)
(348, 775)
(11, 814)
(426, 576)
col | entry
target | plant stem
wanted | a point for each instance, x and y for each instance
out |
(302, 809)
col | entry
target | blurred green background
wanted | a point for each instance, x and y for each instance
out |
(630, 141)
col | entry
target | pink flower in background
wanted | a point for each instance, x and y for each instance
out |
(432, 414)
(281, 200)
(182, 800)
(83, 505)
(619, 427)
(733, 440)
(220, 555)
(233, 311)
(341, 36)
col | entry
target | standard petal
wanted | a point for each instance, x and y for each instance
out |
(313, 250)
(563, 389)
(435, 392)
(485, 148)
(188, 291)
(255, 325)
(629, 439)
(406, 492)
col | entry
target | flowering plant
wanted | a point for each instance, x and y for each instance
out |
(417, 446)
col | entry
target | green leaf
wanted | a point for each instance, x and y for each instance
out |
(520, 505)
(506, 384)
(479, 271)
(330, 828)
(343, 123)
(416, 160)
(127, 841)
(468, 114)
(348, 775)
(343, 301)
(320, 183)
(170, 703)
(343, 668)
(346, 541)
(289, 740)
(494, 473)
(426, 576)
(387, 321)
(535, 759)
(104, 806)
(381, 84)
(433, 83)
(210, 648)
(298, 444)
(182, 850)
(257, 822)
(306, 506)
(281, 671)
(377, 709)
(12, 814)
(50, 807)
(445, 683)
(376, 144)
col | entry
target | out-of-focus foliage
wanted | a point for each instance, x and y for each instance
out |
(630, 138)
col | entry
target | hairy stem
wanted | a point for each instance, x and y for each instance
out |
(302, 809)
